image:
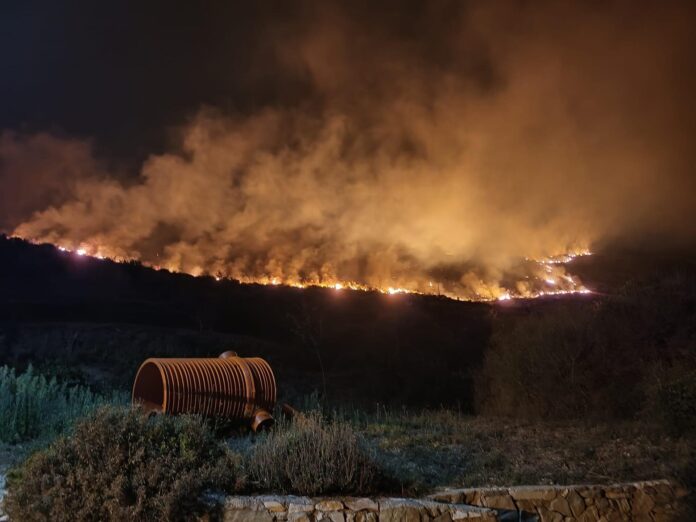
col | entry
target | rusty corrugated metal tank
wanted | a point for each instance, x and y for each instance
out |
(231, 387)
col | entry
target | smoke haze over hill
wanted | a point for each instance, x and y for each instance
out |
(438, 145)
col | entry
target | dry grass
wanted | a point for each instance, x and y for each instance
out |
(443, 448)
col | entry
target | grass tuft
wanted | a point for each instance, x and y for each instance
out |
(311, 455)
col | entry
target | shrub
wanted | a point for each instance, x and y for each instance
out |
(313, 456)
(32, 406)
(580, 359)
(122, 465)
(676, 403)
(540, 365)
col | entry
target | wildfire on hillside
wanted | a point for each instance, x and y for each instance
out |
(545, 277)
(466, 160)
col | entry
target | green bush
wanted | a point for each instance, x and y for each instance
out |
(313, 456)
(34, 407)
(121, 464)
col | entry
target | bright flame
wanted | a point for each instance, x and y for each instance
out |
(549, 274)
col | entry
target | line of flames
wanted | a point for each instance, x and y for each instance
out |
(547, 263)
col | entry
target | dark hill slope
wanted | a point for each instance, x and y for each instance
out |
(404, 348)
(96, 320)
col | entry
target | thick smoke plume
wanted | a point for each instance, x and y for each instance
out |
(438, 149)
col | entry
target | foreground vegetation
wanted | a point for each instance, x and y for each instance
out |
(617, 375)
(120, 464)
(431, 449)
(34, 407)
(314, 456)
(627, 355)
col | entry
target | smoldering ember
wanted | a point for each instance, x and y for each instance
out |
(420, 260)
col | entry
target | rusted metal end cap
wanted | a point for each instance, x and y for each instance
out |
(228, 354)
(262, 420)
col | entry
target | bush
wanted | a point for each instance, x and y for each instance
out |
(122, 465)
(676, 402)
(597, 359)
(32, 406)
(313, 456)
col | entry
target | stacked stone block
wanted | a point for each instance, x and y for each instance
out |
(651, 501)
(305, 509)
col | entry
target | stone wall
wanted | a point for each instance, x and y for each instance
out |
(653, 501)
(305, 509)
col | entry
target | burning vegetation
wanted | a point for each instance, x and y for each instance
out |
(544, 277)
(472, 162)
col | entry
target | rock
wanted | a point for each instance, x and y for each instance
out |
(448, 495)
(333, 516)
(663, 494)
(247, 515)
(590, 515)
(242, 502)
(616, 493)
(602, 505)
(300, 505)
(629, 488)
(663, 517)
(245, 509)
(274, 506)
(461, 512)
(298, 517)
(365, 516)
(642, 503)
(434, 509)
(576, 503)
(473, 498)
(358, 504)
(624, 506)
(560, 505)
(643, 517)
(549, 516)
(615, 516)
(590, 492)
(533, 493)
(400, 510)
(529, 506)
(329, 505)
(500, 501)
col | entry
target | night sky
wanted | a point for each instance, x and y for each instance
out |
(384, 143)
(122, 72)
